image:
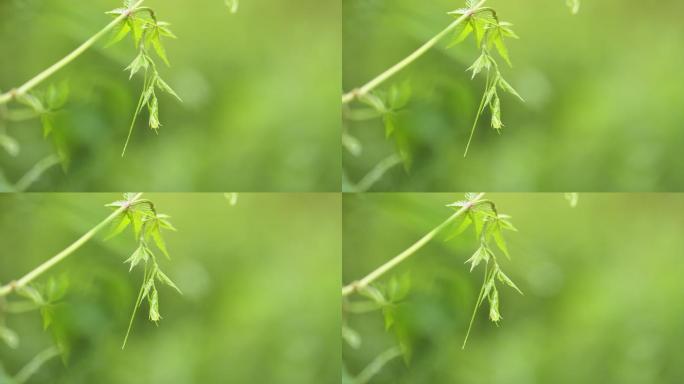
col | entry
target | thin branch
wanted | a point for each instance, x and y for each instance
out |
(34, 173)
(34, 365)
(39, 270)
(23, 89)
(365, 89)
(376, 173)
(371, 277)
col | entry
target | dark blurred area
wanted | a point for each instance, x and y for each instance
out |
(260, 91)
(259, 279)
(601, 282)
(602, 89)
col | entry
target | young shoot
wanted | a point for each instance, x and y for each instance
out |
(147, 225)
(147, 34)
(489, 226)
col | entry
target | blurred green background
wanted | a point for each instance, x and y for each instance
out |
(260, 91)
(602, 88)
(602, 283)
(260, 281)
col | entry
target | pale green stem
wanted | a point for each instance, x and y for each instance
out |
(376, 173)
(34, 365)
(480, 298)
(480, 109)
(23, 89)
(138, 301)
(371, 277)
(68, 251)
(138, 109)
(365, 89)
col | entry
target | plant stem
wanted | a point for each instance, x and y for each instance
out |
(23, 89)
(39, 270)
(480, 109)
(34, 365)
(371, 277)
(359, 92)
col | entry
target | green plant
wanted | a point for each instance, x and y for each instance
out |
(147, 225)
(489, 35)
(489, 226)
(147, 33)
(233, 5)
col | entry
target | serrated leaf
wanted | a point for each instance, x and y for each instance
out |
(482, 63)
(159, 47)
(120, 225)
(140, 62)
(465, 32)
(121, 32)
(479, 256)
(500, 242)
(501, 47)
(158, 239)
(141, 254)
(462, 227)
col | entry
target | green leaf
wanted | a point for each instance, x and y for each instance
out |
(465, 32)
(140, 62)
(398, 288)
(389, 121)
(495, 109)
(141, 254)
(480, 255)
(388, 315)
(499, 240)
(508, 88)
(164, 87)
(153, 108)
(47, 313)
(374, 294)
(482, 62)
(479, 26)
(47, 123)
(122, 222)
(399, 96)
(153, 300)
(57, 95)
(121, 32)
(506, 280)
(136, 25)
(56, 288)
(164, 279)
(494, 314)
(501, 47)
(158, 46)
(462, 227)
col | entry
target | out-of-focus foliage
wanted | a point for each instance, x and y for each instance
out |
(602, 290)
(602, 111)
(257, 280)
(260, 92)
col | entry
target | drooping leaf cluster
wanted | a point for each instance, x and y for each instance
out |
(44, 298)
(147, 35)
(387, 105)
(489, 226)
(147, 226)
(489, 35)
